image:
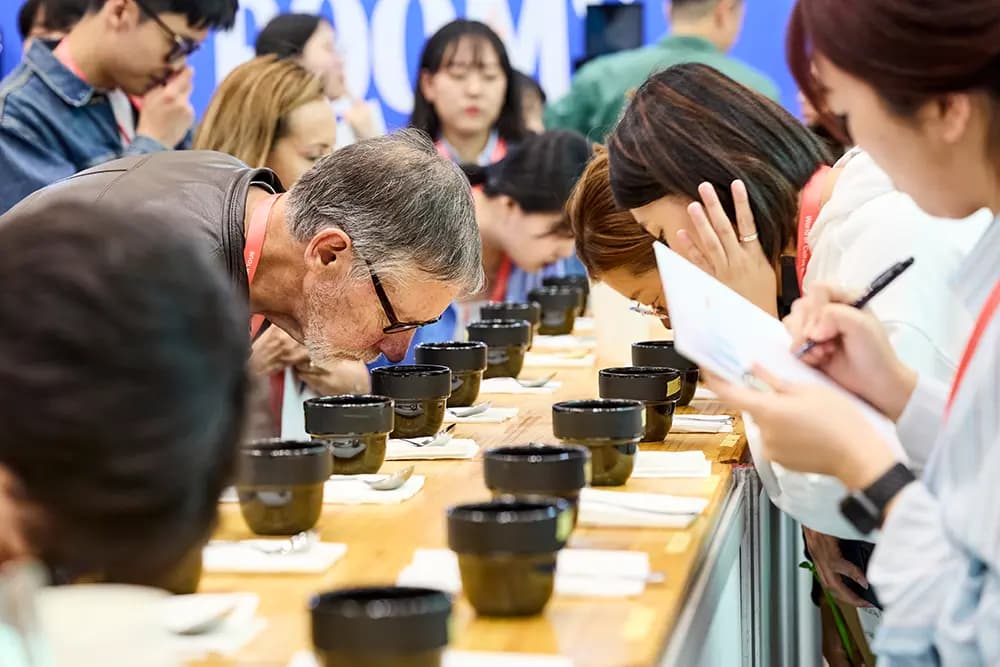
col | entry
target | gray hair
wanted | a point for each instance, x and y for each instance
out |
(403, 206)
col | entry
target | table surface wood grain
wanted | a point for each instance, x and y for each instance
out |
(594, 632)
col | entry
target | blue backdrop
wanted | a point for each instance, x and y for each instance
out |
(381, 41)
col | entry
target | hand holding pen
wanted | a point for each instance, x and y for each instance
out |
(880, 283)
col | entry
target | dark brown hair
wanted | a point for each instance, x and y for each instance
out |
(907, 50)
(690, 124)
(607, 236)
(121, 396)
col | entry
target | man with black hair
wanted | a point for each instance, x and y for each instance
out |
(117, 84)
(121, 395)
(701, 31)
(48, 20)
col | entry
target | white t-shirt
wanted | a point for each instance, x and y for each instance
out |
(866, 227)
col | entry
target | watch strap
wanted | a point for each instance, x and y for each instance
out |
(885, 488)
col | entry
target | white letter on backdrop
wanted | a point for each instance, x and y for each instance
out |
(540, 38)
(231, 48)
(389, 63)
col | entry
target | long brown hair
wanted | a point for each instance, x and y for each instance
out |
(908, 51)
(607, 236)
(689, 124)
(249, 110)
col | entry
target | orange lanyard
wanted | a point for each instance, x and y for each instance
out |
(499, 150)
(989, 309)
(499, 292)
(63, 55)
(812, 199)
(254, 248)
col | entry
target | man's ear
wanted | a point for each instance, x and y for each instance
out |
(330, 249)
(120, 15)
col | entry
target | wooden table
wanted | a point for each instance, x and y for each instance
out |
(381, 539)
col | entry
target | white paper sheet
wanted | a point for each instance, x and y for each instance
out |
(293, 417)
(726, 334)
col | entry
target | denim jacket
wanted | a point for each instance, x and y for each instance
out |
(52, 125)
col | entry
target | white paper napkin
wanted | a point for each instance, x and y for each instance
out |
(555, 360)
(568, 343)
(238, 628)
(468, 659)
(704, 393)
(351, 490)
(671, 464)
(456, 448)
(242, 558)
(512, 386)
(637, 510)
(702, 424)
(584, 325)
(579, 572)
(491, 416)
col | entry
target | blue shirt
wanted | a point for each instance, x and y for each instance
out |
(52, 125)
(936, 568)
(455, 318)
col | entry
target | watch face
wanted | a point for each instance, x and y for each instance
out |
(857, 512)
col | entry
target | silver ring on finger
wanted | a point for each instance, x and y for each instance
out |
(749, 238)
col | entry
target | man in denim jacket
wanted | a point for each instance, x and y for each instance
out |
(70, 107)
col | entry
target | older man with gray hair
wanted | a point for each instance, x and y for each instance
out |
(374, 241)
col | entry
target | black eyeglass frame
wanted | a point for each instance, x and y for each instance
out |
(183, 46)
(395, 325)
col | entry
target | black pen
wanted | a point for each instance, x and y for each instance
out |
(884, 280)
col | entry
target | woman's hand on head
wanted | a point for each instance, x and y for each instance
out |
(733, 256)
(853, 348)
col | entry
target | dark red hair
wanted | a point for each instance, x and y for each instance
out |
(907, 50)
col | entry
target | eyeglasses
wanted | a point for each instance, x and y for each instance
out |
(657, 312)
(395, 326)
(182, 46)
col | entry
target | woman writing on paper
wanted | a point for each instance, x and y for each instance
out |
(862, 227)
(925, 102)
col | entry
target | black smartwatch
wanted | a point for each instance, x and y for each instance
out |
(865, 509)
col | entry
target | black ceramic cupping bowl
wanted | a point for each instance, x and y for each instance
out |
(507, 553)
(380, 627)
(662, 353)
(420, 393)
(507, 341)
(581, 282)
(354, 427)
(658, 388)
(551, 470)
(559, 308)
(610, 428)
(280, 485)
(536, 471)
(467, 361)
(530, 312)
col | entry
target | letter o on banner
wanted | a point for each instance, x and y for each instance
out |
(388, 21)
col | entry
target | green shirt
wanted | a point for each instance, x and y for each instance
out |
(599, 90)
